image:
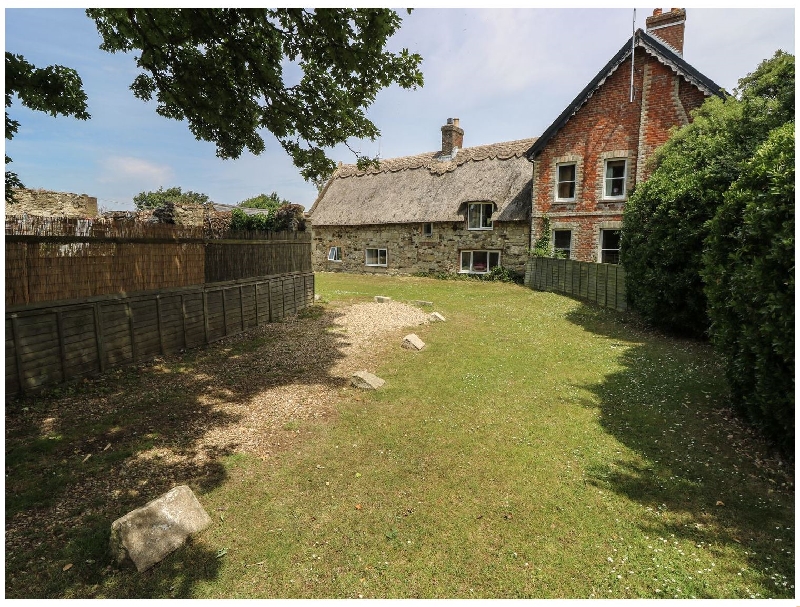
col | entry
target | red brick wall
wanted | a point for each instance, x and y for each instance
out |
(609, 125)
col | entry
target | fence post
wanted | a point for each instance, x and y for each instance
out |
(98, 331)
(205, 312)
(158, 324)
(17, 355)
(61, 345)
(129, 312)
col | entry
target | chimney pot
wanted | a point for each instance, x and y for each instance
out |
(452, 136)
(668, 27)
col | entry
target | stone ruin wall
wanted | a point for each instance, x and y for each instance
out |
(44, 203)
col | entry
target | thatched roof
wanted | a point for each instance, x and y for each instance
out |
(430, 187)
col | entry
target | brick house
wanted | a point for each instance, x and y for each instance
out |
(596, 151)
(454, 210)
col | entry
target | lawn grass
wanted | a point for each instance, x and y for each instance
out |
(538, 447)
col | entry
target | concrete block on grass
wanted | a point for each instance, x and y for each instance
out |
(382, 299)
(412, 342)
(366, 380)
(436, 317)
(150, 533)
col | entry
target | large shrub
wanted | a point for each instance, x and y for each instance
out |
(665, 222)
(749, 276)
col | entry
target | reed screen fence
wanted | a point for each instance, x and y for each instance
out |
(601, 283)
(83, 296)
(55, 259)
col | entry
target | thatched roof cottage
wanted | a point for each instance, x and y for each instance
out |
(453, 210)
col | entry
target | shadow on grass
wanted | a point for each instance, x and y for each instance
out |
(702, 473)
(83, 455)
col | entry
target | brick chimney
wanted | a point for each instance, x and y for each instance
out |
(668, 27)
(452, 136)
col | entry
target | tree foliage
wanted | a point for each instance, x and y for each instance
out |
(54, 89)
(162, 197)
(666, 219)
(264, 201)
(287, 217)
(307, 76)
(748, 269)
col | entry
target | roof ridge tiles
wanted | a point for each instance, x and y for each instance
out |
(430, 160)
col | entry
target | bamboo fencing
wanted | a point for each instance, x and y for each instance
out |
(83, 296)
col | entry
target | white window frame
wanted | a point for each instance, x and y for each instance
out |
(471, 264)
(484, 220)
(427, 228)
(574, 181)
(600, 244)
(553, 241)
(608, 181)
(335, 254)
(379, 252)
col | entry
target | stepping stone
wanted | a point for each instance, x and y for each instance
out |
(366, 380)
(436, 317)
(412, 342)
(317, 296)
(382, 299)
(420, 302)
(150, 533)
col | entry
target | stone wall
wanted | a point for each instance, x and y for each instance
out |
(409, 251)
(44, 203)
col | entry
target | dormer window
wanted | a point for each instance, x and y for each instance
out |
(479, 216)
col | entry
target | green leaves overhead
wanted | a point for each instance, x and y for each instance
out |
(54, 89)
(307, 76)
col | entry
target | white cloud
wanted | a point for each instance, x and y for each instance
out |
(125, 168)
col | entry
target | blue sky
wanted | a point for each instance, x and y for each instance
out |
(505, 73)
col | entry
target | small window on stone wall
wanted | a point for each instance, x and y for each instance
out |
(335, 254)
(376, 257)
(427, 229)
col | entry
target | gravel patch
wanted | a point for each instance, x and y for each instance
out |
(255, 393)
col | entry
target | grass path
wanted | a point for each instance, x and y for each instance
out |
(537, 447)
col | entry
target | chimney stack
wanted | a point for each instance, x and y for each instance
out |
(452, 136)
(668, 27)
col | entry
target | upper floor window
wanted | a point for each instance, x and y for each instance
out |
(335, 254)
(616, 172)
(376, 257)
(479, 216)
(565, 181)
(562, 241)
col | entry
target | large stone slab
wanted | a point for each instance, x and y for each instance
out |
(148, 534)
(412, 342)
(366, 380)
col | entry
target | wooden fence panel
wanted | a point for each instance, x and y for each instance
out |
(603, 284)
(48, 344)
(80, 343)
(115, 326)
